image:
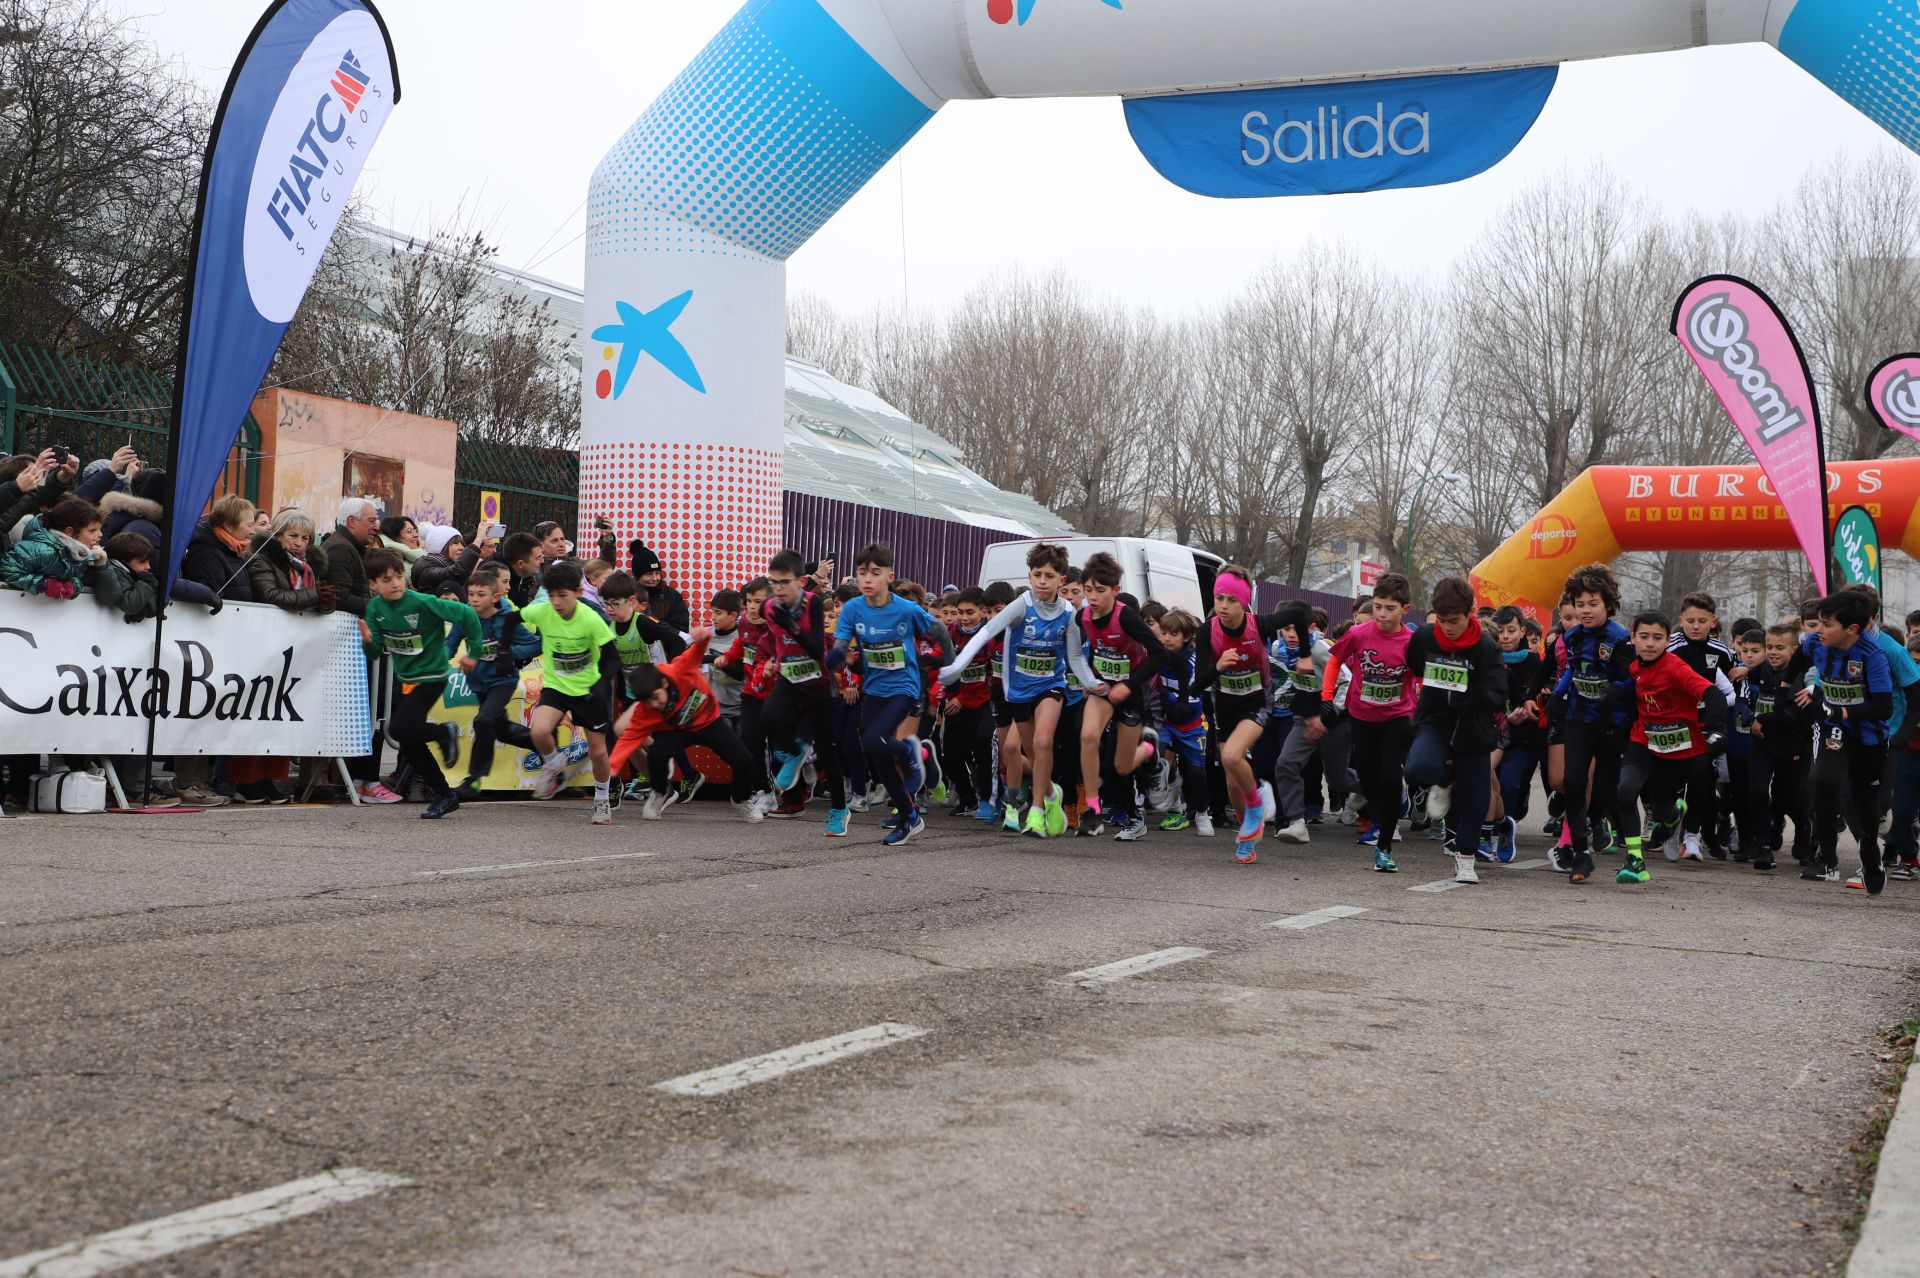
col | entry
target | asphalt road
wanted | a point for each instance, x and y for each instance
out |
(1523, 1077)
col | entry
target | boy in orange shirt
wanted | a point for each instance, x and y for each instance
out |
(675, 708)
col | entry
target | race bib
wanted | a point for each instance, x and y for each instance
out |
(799, 669)
(1304, 681)
(1037, 663)
(1844, 694)
(567, 663)
(975, 673)
(1240, 683)
(1590, 687)
(1762, 705)
(885, 656)
(1446, 676)
(1112, 669)
(999, 666)
(405, 643)
(1669, 738)
(489, 650)
(1380, 692)
(690, 709)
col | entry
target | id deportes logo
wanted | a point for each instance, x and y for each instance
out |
(308, 164)
(1718, 330)
(1326, 135)
(1900, 400)
(1018, 11)
(1551, 537)
(644, 333)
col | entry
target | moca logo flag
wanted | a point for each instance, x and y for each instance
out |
(1752, 361)
(312, 89)
(1893, 393)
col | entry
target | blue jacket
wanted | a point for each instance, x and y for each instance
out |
(512, 646)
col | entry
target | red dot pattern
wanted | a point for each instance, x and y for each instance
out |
(710, 511)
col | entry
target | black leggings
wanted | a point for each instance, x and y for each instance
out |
(780, 720)
(1660, 781)
(1379, 754)
(1848, 780)
(749, 777)
(1777, 787)
(490, 724)
(1598, 745)
(968, 754)
(408, 726)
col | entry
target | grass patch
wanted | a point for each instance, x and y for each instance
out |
(1895, 1061)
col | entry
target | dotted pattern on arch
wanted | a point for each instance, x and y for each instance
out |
(710, 511)
(1867, 51)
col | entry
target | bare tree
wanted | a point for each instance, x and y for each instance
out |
(431, 327)
(100, 145)
(1844, 247)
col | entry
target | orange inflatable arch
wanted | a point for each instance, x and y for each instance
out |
(1610, 510)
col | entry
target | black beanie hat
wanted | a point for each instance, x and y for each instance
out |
(644, 560)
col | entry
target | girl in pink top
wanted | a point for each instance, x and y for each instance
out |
(1380, 702)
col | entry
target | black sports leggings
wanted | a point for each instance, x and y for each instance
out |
(749, 776)
(1379, 754)
(1597, 745)
(780, 720)
(1660, 781)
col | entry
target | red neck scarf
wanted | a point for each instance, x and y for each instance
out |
(1468, 637)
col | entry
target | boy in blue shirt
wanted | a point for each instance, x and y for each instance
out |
(1852, 704)
(505, 646)
(888, 629)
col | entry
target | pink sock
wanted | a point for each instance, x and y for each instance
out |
(1566, 834)
(1253, 799)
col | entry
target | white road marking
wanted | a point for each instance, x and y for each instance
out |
(1314, 918)
(1443, 885)
(758, 1069)
(529, 865)
(182, 1231)
(1534, 864)
(1107, 973)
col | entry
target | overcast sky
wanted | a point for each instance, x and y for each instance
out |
(507, 107)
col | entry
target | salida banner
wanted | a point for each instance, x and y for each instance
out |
(1750, 357)
(250, 679)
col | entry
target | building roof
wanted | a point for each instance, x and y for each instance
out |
(842, 442)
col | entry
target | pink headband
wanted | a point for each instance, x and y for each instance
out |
(1234, 586)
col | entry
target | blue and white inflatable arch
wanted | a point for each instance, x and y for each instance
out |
(797, 103)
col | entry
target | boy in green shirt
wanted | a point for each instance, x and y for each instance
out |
(411, 629)
(571, 639)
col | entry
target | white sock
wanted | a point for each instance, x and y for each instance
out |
(600, 791)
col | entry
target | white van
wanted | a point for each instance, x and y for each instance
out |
(1175, 575)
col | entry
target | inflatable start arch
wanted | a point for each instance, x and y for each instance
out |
(797, 103)
(1610, 510)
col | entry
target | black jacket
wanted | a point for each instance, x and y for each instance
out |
(346, 571)
(1466, 715)
(210, 562)
(435, 574)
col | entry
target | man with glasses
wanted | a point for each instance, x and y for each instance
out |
(356, 531)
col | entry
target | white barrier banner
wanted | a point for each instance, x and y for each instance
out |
(251, 679)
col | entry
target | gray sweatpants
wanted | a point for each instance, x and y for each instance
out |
(1288, 788)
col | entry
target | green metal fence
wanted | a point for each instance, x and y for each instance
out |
(534, 484)
(93, 408)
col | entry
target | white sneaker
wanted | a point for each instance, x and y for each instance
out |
(755, 809)
(1350, 810)
(1267, 804)
(548, 783)
(1463, 871)
(856, 803)
(1691, 848)
(1295, 833)
(1669, 849)
(602, 812)
(1203, 825)
(656, 804)
(1439, 803)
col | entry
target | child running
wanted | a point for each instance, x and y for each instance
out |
(1463, 691)
(572, 636)
(1126, 657)
(676, 709)
(803, 695)
(411, 629)
(1380, 704)
(1680, 715)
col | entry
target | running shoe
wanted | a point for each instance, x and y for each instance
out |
(1385, 864)
(1764, 861)
(1056, 815)
(444, 805)
(1559, 858)
(1246, 852)
(1903, 871)
(1582, 866)
(788, 774)
(913, 826)
(1267, 802)
(1553, 827)
(1812, 872)
(1315, 816)
(857, 803)
(1439, 801)
(1690, 848)
(1176, 821)
(985, 813)
(370, 792)
(1634, 871)
(1665, 830)
(1091, 826)
(1351, 809)
(1294, 833)
(684, 792)
(450, 743)
(1010, 818)
(1253, 824)
(1484, 850)
(837, 823)
(1506, 841)
(754, 810)
(548, 783)
(1371, 839)
(1135, 831)
(939, 792)
(892, 821)
(1875, 873)
(1463, 871)
(639, 788)
(1036, 823)
(657, 802)
(1606, 839)
(792, 805)
(602, 812)
(1203, 825)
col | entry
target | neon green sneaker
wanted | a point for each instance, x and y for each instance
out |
(1634, 871)
(1175, 821)
(1056, 814)
(1036, 822)
(938, 794)
(1011, 822)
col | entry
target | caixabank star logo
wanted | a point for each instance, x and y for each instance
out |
(1018, 11)
(644, 333)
